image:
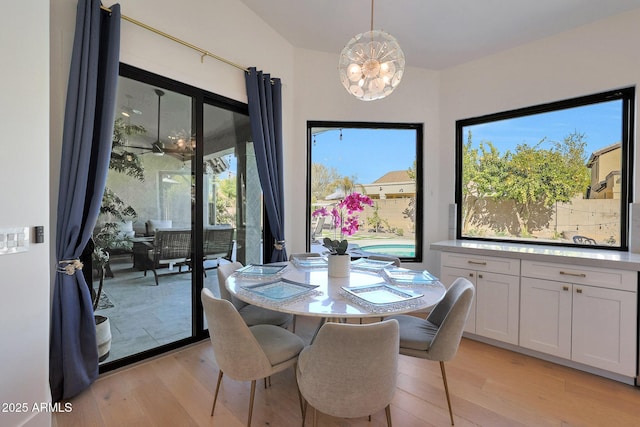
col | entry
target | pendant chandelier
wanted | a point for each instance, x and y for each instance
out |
(371, 65)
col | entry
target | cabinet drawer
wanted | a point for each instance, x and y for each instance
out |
(594, 276)
(481, 263)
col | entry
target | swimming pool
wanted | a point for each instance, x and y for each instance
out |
(399, 250)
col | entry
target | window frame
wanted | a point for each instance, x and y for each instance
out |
(419, 211)
(626, 95)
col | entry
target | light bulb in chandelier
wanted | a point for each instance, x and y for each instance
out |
(371, 65)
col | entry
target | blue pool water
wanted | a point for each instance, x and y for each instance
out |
(402, 251)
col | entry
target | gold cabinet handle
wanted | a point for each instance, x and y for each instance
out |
(568, 273)
(477, 262)
(579, 291)
(565, 288)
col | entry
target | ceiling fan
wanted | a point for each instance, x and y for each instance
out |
(184, 146)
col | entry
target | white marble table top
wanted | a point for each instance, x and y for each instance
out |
(329, 300)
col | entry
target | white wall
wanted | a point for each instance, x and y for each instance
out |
(24, 201)
(591, 59)
(319, 95)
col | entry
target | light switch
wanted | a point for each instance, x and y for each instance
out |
(14, 240)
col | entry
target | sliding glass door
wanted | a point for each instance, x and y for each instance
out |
(182, 196)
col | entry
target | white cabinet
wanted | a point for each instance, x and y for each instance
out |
(447, 277)
(576, 307)
(585, 314)
(495, 311)
(545, 316)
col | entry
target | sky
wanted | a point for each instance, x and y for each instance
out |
(600, 123)
(366, 154)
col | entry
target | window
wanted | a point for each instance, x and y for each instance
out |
(380, 160)
(557, 173)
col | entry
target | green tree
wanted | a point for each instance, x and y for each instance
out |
(123, 160)
(483, 169)
(225, 200)
(113, 210)
(375, 220)
(323, 180)
(410, 211)
(346, 183)
(541, 177)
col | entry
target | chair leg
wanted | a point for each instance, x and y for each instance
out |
(155, 275)
(303, 403)
(253, 393)
(446, 390)
(215, 396)
(315, 417)
(293, 327)
(304, 409)
(387, 411)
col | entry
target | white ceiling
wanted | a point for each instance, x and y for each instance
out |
(434, 34)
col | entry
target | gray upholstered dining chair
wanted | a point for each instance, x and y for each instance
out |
(438, 336)
(350, 370)
(246, 353)
(252, 314)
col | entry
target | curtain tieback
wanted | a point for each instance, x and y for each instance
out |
(279, 245)
(69, 266)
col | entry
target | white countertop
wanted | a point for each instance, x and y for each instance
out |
(567, 255)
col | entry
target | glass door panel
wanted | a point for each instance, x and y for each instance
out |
(146, 221)
(232, 196)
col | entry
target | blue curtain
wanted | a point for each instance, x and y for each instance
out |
(264, 95)
(86, 148)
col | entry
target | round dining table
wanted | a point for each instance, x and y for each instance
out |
(334, 297)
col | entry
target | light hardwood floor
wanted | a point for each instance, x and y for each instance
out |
(489, 387)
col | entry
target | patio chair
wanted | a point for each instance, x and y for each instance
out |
(217, 244)
(583, 240)
(155, 224)
(170, 247)
(317, 230)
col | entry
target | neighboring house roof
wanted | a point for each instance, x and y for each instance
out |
(602, 151)
(393, 176)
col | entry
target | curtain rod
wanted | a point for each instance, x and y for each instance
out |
(202, 52)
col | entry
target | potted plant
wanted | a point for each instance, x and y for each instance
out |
(345, 221)
(114, 211)
(94, 259)
(100, 259)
